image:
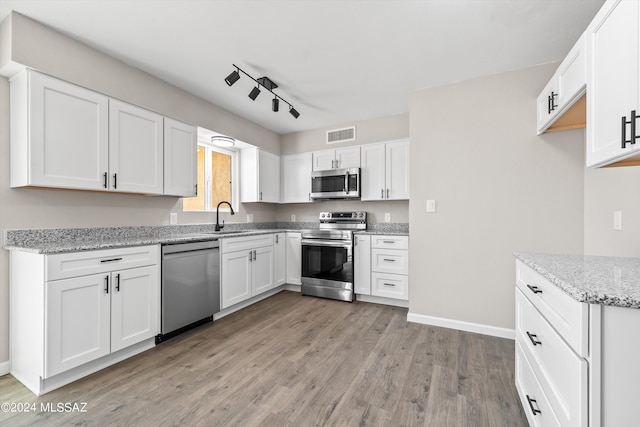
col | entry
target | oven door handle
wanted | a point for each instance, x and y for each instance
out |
(326, 243)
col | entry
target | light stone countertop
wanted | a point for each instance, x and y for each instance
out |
(602, 280)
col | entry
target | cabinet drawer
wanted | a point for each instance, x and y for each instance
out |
(390, 285)
(567, 316)
(389, 242)
(75, 264)
(390, 261)
(233, 244)
(561, 373)
(534, 402)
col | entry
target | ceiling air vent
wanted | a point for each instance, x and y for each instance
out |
(341, 135)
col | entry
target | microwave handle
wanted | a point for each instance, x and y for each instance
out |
(346, 183)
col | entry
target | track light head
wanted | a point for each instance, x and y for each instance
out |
(232, 78)
(275, 104)
(294, 112)
(254, 93)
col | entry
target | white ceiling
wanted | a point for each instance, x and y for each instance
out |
(335, 61)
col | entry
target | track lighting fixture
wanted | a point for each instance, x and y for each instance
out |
(232, 78)
(254, 93)
(266, 83)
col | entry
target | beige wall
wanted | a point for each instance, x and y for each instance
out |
(607, 190)
(499, 188)
(381, 129)
(41, 48)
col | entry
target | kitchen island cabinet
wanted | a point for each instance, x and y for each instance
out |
(576, 362)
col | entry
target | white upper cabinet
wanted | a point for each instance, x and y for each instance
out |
(180, 158)
(135, 149)
(260, 176)
(340, 158)
(560, 105)
(59, 134)
(613, 84)
(296, 178)
(385, 171)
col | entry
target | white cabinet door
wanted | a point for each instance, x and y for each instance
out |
(324, 160)
(235, 277)
(294, 258)
(362, 264)
(262, 271)
(280, 258)
(59, 137)
(613, 82)
(348, 157)
(572, 74)
(296, 178)
(180, 158)
(269, 182)
(372, 172)
(135, 300)
(77, 327)
(397, 170)
(135, 149)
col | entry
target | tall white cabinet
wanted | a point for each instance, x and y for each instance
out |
(384, 172)
(75, 313)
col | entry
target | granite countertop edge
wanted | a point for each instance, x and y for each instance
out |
(592, 277)
(383, 233)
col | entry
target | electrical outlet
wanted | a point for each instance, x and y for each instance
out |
(387, 217)
(431, 206)
(249, 217)
(617, 220)
(173, 218)
(293, 218)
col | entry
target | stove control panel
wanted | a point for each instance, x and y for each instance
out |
(359, 216)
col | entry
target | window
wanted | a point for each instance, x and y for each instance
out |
(217, 175)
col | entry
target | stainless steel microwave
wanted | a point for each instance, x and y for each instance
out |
(335, 184)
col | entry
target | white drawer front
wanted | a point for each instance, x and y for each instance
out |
(561, 373)
(389, 242)
(567, 316)
(534, 401)
(390, 286)
(390, 261)
(233, 244)
(75, 264)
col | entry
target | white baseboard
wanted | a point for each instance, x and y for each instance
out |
(381, 300)
(462, 325)
(5, 368)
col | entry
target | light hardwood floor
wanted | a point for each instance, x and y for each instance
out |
(297, 361)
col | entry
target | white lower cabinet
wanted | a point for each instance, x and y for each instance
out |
(381, 266)
(246, 268)
(75, 313)
(280, 258)
(294, 258)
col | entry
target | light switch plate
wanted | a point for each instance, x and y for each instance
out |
(249, 217)
(431, 206)
(387, 217)
(293, 217)
(617, 220)
(173, 218)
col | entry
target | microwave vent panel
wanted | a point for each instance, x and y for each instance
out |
(341, 135)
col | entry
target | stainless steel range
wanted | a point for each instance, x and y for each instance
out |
(327, 255)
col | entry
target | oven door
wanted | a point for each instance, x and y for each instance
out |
(327, 262)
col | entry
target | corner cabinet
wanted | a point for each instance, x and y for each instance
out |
(246, 268)
(180, 158)
(613, 85)
(260, 171)
(384, 172)
(75, 313)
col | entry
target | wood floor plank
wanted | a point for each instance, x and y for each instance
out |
(297, 361)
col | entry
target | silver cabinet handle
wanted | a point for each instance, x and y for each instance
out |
(261, 195)
(387, 193)
(389, 241)
(389, 260)
(254, 255)
(389, 284)
(382, 193)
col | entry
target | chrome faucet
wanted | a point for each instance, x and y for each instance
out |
(218, 226)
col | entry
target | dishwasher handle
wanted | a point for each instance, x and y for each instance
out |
(181, 248)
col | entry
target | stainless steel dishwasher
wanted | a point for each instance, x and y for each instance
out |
(190, 286)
